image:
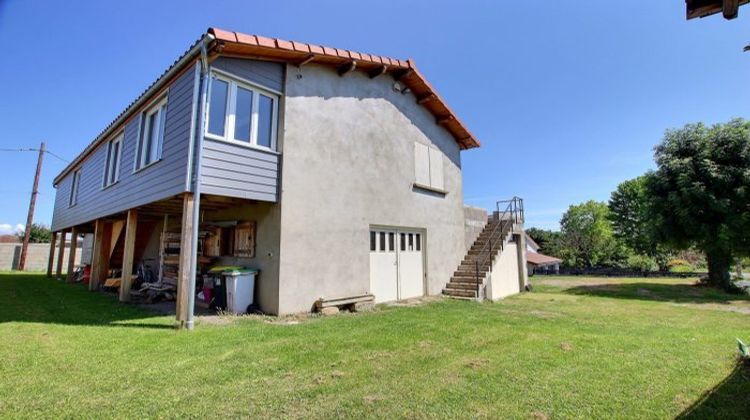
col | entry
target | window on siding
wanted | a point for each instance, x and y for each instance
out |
(152, 135)
(112, 164)
(74, 188)
(428, 167)
(242, 113)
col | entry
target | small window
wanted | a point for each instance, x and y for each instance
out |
(418, 242)
(411, 242)
(241, 113)
(152, 135)
(403, 242)
(428, 167)
(112, 164)
(382, 241)
(74, 188)
(391, 238)
(373, 240)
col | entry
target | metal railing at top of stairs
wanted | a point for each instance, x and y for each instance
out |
(511, 214)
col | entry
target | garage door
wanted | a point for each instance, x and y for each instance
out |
(396, 264)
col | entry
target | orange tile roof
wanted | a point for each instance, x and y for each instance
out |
(295, 52)
(299, 52)
(535, 258)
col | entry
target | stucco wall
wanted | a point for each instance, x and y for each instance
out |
(475, 219)
(348, 163)
(503, 280)
(36, 259)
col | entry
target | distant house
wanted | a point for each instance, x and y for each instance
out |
(538, 262)
(335, 173)
(9, 239)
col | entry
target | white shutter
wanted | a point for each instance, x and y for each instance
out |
(421, 164)
(436, 169)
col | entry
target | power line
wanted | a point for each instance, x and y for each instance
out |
(34, 150)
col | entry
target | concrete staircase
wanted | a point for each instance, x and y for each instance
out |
(468, 280)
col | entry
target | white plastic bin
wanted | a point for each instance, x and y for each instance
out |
(240, 289)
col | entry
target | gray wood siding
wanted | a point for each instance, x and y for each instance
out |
(233, 170)
(161, 180)
(236, 171)
(264, 73)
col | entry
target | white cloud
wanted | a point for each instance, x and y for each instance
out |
(8, 229)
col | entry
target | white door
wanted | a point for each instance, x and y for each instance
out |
(383, 265)
(396, 264)
(410, 267)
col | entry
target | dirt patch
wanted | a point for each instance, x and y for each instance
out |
(538, 415)
(371, 399)
(566, 347)
(416, 301)
(477, 364)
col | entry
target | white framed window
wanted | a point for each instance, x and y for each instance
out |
(240, 112)
(428, 167)
(74, 188)
(112, 163)
(151, 139)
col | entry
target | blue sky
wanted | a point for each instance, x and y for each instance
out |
(568, 98)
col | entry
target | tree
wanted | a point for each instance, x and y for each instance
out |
(631, 224)
(700, 193)
(549, 241)
(588, 237)
(40, 234)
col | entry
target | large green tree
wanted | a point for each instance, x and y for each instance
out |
(700, 193)
(631, 223)
(587, 235)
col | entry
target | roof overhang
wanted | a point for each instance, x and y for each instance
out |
(296, 53)
(300, 53)
(702, 8)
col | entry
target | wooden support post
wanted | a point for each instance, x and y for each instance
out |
(100, 254)
(72, 258)
(187, 259)
(51, 262)
(131, 226)
(60, 254)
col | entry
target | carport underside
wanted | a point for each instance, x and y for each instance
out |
(161, 232)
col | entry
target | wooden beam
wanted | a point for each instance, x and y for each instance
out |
(100, 254)
(347, 68)
(377, 71)
(307, 60)
(186, 259)
(445, 120)
(400, 74)
(51, 262)
(72, 258)
(730, 9)
(427, 98)
(131, 226)
(60, 254)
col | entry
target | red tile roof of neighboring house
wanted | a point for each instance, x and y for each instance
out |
(535, 258)
(299, 53)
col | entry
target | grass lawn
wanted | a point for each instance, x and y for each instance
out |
(575, 347)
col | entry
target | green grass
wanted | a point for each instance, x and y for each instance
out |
(575, 347)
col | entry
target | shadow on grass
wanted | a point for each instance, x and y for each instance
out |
(729, 399)
(35, 298)
(677, 293)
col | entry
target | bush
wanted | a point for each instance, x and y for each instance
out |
(641, 263)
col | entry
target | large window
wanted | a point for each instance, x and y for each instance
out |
(240, 112)
(74, 188)
(112, 164)
(152, 135)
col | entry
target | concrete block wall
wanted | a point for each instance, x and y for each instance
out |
(36, 259)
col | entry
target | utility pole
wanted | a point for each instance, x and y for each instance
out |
(32, 203)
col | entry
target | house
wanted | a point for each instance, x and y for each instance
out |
(538, 262)
(337, 174)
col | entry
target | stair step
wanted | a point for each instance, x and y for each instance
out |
(460, 293)
(453, 285)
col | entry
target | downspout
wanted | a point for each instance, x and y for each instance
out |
(198, 164)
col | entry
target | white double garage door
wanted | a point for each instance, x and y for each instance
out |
(396, 264)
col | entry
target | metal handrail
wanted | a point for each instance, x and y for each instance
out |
(512, 214)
